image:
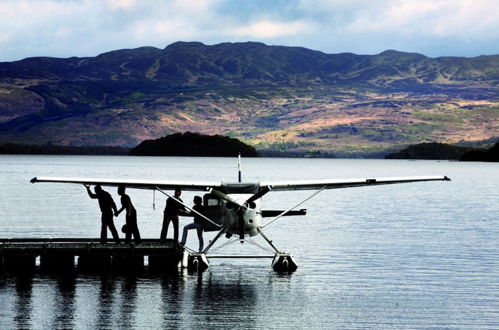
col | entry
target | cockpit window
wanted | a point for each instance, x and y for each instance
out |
(212, 202)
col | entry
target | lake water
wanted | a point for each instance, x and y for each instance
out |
(417, 255)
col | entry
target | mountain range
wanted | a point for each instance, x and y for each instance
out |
(276, 98)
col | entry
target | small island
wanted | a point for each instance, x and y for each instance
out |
(483, 155)
(432, 150)
(194, 144)
(442, 151)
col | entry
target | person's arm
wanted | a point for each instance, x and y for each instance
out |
(92, 195)
(181, 209)
(126, 203)
(120, 210)
(113, 205)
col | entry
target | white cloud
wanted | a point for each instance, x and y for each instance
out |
(438, 18)
(88, 27)
(121, 4)
(269, 29)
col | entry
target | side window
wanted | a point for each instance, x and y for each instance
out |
(212, 202)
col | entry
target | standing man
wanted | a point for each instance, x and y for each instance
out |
(107, 206)
(172, 210)
(197, 224)
(130, 218)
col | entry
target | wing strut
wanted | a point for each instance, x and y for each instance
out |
(213, 241)
(268, 240)
(292, 208)
(190, 209)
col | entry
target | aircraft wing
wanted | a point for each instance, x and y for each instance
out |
(275, 186)
(346, 183)
(139, 184)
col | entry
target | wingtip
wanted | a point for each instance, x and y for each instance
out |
(33, 180)
(446, 178)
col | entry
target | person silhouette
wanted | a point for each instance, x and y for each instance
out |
(172, 210)
(197, 224)
(130, 217)
(107, 206)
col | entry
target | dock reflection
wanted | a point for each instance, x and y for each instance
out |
(64, 308)
(132, 301)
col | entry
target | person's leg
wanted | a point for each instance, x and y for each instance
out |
(113, 230)
(164, 228)
(186, 228)
(128, 234)
(136, 234)
(129, 230)
(199, 229)
(174, 219)
(103, 230)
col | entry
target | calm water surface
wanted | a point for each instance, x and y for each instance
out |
(419, 255)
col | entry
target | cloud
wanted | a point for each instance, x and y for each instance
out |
(269, 29)
(437, 18)
(121, 4)
(89, 27)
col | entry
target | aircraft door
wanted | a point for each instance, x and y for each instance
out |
(214, 210)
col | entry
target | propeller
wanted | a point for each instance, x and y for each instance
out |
(258, 195)
(245, 204)
(241, 207)
(223, 196)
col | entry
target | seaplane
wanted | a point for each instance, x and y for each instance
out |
(234, 209)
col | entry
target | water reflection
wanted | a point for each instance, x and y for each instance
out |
(171, 299)
(64, 307)
(105, 303)
(224, 300)
(23, 301)
(165, 301)
(128, 294)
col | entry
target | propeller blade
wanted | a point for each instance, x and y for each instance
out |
(223, 196)
(241, 224)
(258, 195)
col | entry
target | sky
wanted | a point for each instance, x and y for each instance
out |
(65, 28)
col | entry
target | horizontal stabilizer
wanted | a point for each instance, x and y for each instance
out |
(275, 213)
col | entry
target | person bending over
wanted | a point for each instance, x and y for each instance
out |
(107, 206)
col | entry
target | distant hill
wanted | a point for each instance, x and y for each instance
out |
(278, 99)
(489, 155)
(193, 144)
(431, 151)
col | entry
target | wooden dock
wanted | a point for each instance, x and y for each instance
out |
(87, 255)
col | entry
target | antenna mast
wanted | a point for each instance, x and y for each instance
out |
(239, 167)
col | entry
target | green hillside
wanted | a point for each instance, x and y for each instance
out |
(278, 99)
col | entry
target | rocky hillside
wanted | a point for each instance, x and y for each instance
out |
(275, 98)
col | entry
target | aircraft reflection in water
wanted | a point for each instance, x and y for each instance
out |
(236, 208)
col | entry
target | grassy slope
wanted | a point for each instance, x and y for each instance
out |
(276, 98)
